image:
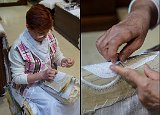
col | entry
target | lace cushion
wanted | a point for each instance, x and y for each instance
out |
(99, 92)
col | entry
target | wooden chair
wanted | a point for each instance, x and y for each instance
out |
(5, 78)
(10, 92)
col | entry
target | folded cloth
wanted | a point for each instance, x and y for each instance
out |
(2, 32)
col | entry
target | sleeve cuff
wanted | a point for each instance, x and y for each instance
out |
(156, 2)
(21, 79)
(59, 61)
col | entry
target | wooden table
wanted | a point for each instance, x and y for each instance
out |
(67, 24)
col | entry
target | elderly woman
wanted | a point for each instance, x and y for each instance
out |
(30, 55)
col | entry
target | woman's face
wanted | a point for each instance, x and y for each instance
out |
(39, 36)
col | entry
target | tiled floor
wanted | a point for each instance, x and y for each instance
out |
(13, 21)
(6, 1)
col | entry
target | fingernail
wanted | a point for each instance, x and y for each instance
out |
(146, 66)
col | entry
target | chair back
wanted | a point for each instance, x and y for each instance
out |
(7, 70)
(5, 75)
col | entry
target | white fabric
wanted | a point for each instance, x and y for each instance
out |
(129, 106)
(75, 12)
(17, 64)
(49, 3)
(1, 29)
(17, 96)
(17, 67)
(101, 70)
(66, 6)
(143, 61)
(44, 104)
(41, 50)
(156, 2)
(59, 76)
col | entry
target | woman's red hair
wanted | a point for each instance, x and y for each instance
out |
(39, 18)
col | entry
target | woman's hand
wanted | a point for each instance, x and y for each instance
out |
(67, 62)
(147, 86)
(49, 74)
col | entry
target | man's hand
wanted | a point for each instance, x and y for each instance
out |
(67, 62)
(148, 87)
(131, 32)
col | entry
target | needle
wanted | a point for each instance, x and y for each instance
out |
(118, 62)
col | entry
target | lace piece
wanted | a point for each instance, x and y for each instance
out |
(102, 69)
(98, 93)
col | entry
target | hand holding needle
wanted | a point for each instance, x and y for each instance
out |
(49, 73)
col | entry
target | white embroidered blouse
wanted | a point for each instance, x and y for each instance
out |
(40, 50)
